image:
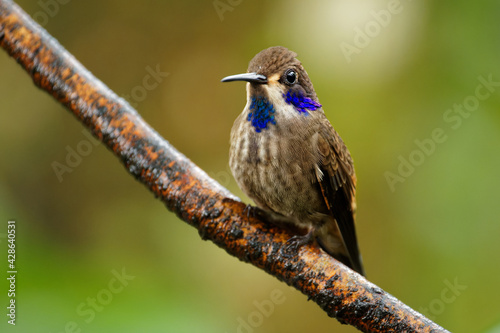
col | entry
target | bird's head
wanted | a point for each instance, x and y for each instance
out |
(277, 82)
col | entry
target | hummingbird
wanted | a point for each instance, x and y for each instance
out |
(286, 156)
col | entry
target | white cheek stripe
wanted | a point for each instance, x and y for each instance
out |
(283, 109)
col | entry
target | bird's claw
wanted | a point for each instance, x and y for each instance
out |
(249, 210)
(293, 244)
(255, 212)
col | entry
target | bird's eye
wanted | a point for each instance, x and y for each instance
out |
(290, 76)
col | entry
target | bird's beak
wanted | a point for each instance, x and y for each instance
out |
(249, 77)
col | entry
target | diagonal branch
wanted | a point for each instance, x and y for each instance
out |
(191, 194)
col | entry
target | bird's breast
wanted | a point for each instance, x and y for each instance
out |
(275, 167)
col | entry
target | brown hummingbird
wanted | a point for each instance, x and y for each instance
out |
(286, 156)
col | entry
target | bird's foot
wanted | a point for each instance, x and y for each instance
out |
(294, 243)
(254, 211)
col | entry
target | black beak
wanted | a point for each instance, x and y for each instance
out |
(249, 77)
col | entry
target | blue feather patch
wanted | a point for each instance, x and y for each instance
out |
(300, 102)
(262, 113)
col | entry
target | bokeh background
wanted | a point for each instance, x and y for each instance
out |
(435, 228)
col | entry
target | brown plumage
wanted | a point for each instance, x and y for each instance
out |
(287, 157)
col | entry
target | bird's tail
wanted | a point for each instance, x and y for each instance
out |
(334, 246)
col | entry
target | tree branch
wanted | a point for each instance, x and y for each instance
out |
(191, 194)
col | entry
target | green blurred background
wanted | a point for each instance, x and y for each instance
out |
(437, 228)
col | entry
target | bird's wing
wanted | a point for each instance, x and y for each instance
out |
(337, 180)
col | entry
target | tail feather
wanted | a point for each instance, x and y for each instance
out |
(334, 247)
